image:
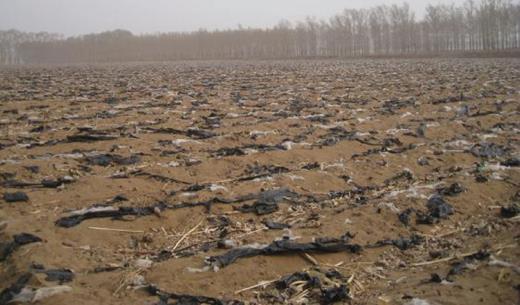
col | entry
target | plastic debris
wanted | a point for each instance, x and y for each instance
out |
(512, 162)
(510, 211)
(452, 190)
(275, 225)
(466, 263)
(416, 301)
(266, 201)
(6, 249)
(401, 243)
(76, 217)
(12, 291)
(58, 275)
(488, 150)
(109, 159)
(438, 209)
(186, 299)
(90, 137)
(16, 197)
(323, 245)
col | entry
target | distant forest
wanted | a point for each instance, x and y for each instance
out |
(488, 26)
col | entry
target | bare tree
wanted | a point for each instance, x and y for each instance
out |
(485, 25)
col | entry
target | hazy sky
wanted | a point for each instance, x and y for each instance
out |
(72, 17)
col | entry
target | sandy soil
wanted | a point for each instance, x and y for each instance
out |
(356, 144)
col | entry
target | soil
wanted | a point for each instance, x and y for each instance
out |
(360, 142)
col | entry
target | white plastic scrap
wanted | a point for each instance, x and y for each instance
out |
(35, 295)
(183, 141)
(295, 177)
(416, 301)
(169, 164)
(394, 131)
(92, 210)
(217, 187)
(496, 262)
(198, 270)
(413, 191)
(143, 263)
(389, 205)
(287, 145)
(257, 133)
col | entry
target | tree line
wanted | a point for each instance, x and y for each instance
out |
(474, 26)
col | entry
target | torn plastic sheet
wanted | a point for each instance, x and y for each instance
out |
(103, 211)
(110, 159)
(90, 137)
(488, 150)
(275, 225)
(404, 217)
(7, 295)
(248, 149)
(185, 299)
(438, 207)
(33, 295)
(6, 249)
(510, 211)
(192, 188)
(61, 275)
(141, 173)
(266, 201)
(452, 190)
(46, 183)
(194, 133)
(334, 294)
(512, 162)
(401, 243)
(404, 175)
(460, 266)
(373, 151)
(257, 171)
(286, 281)
(15, 197)
(336, 135)
(284, 246)
(262, 171)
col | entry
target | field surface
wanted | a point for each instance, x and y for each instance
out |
(290, 182)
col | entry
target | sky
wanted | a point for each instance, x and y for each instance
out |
(76, 17)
